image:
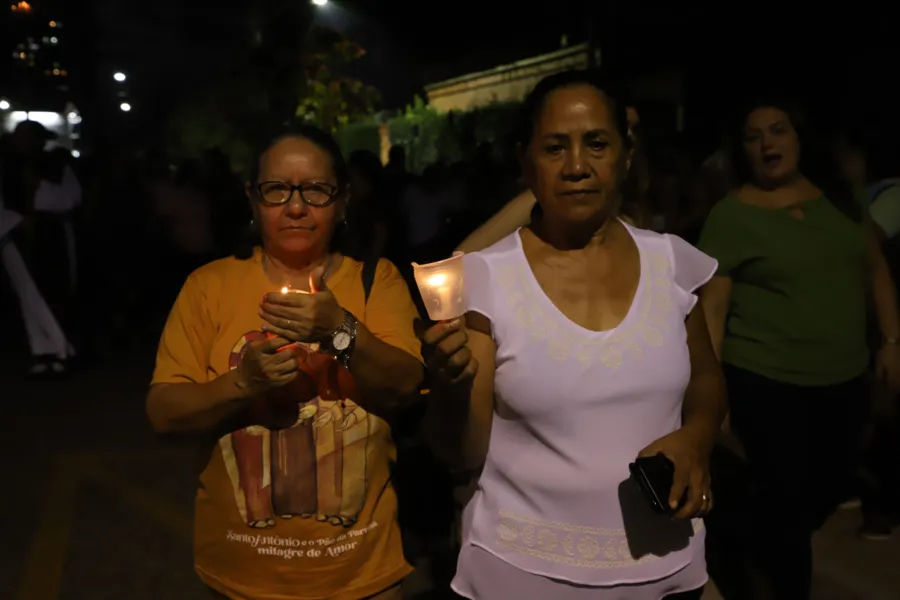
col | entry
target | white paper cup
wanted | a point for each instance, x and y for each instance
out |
(442, 287)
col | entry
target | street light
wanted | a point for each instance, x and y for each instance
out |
(120, 77)
(4, 105)
(125, 107)
(320, 2)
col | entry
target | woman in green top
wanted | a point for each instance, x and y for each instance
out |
(787, 314)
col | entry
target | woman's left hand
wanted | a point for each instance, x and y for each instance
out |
(686, 451)
(308, 318)
(887, 364)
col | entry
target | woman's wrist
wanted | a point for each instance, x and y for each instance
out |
(704, 431)
(235, 386)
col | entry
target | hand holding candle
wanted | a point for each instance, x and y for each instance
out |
(442, 287)
(301, 316)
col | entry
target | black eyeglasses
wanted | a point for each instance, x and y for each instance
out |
(312, 193)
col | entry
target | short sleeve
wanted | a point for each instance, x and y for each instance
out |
(692, 268)
(885, 211)
(184, 348)
(390, 313)
(477, 278)
(718, 237)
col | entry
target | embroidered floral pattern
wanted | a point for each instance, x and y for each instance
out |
(649, 326)
(566, 543)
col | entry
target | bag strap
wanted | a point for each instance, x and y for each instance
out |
(368, 276)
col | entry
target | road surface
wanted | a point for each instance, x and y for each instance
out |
(97, 508)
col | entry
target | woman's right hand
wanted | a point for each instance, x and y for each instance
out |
(447, 354)
(267, 364)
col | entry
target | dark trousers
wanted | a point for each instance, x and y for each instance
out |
(802, 445)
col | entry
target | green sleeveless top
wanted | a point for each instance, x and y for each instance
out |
(799, 295)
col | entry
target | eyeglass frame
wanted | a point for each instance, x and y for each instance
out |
(332, 198)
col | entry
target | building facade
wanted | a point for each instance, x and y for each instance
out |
(660, 95)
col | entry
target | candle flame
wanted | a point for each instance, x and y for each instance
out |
(437, 280)
(285, 290)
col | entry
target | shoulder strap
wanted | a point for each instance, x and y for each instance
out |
(368, 276)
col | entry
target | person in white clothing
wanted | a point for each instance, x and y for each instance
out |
(50, 349)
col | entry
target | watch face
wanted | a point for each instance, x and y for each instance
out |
(341, 341)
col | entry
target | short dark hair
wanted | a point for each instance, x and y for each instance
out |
(319, 137)
(324, 141)
(534, 102)
(631, 188)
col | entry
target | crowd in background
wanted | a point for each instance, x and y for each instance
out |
(145, 222)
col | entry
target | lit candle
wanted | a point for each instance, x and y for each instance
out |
(290, 290)
(442, 287)
(311, 347)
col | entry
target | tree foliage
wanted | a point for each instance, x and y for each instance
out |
(330, 99)
(283, 68)
(430, 136)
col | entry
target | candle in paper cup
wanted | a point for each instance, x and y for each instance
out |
(442, 287)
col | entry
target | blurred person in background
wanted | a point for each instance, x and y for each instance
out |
(369, 220)
(183, 214)
(870, 163)
(787, 315)
(39, 187)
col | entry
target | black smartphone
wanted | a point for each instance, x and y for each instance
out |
(654, 475)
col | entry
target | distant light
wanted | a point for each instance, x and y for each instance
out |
(320, 2)
(54, 40)
(76, 154)
(4, 105)
(125, 107)
(21, 7)
(52, 23)
(56, 71)
(74, 118)
(45, 118)
(120, 77)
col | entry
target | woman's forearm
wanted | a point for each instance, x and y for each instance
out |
(715, 297)
(388, 377)
(884, 293)
(195, 407)
(704, 407)
(515, 214)
(885, 297)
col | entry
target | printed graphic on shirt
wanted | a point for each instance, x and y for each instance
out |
(308, 457)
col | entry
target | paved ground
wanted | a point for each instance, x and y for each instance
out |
(98, 509)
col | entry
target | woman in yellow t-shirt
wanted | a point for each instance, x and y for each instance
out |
(288, 361)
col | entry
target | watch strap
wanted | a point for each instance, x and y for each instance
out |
(349, 326)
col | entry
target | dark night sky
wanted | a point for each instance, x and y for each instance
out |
(171, 46)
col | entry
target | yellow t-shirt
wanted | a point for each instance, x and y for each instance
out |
(307, 511)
